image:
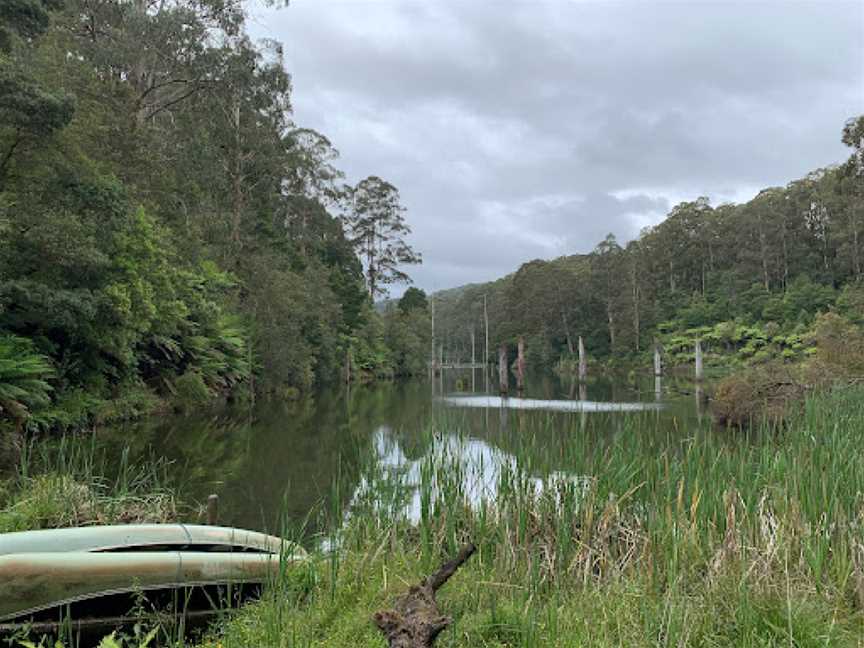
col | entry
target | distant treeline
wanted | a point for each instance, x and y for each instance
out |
(167, 232)
(747, 279)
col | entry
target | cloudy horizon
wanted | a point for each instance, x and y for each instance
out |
(527, 130)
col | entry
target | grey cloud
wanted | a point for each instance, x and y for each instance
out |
(547, 110)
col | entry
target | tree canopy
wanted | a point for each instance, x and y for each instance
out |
(166, 229)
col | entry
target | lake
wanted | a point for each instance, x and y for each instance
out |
(294, 466)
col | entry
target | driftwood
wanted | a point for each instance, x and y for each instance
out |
(415, 621)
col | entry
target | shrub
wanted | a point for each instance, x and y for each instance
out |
(191, 390)
(761, 393)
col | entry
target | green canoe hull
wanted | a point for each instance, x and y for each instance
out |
(33, 582)
(141, 536)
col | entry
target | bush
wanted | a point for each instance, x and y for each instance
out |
(191, 390)
(767, 392)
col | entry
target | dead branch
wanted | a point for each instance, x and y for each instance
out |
(415, 621)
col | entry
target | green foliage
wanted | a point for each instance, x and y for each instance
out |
(24, 375)
(413, 299)
(161, 239)
(190, 390)
(408, 337)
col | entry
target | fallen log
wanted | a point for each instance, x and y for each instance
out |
(415, 621)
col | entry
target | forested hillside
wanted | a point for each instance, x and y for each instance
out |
(748, 280)
(167, 232)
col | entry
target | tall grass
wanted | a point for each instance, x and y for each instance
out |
(650, 535)
(71, 482)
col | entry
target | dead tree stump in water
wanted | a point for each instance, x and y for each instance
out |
(415, 621)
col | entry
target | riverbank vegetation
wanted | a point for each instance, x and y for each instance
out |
(748, 280)
(67, 483)
(651, 537)
(168, 234)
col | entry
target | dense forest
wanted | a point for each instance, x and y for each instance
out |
(748, 280)
(168, 234)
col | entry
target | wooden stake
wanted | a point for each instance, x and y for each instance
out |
(213, 509)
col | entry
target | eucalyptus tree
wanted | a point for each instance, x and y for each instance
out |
(851, 179)
(378, 230)
(606, 270)
(29, 112)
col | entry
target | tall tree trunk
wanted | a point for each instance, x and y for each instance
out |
(567, 332)
(785, 255)
(236, 181)
(611, 317)
(583, 361)
(763, 250)
(856, 250)
(635, 296)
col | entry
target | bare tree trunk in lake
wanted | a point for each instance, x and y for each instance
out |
(434, 364)
(658, 362)
(583, 362)
(473, 357)
(415, 620)
(486, 325)
(520, 365)
(700, 402)
(503, 370)
(698, 353)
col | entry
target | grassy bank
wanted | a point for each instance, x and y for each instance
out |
(68, 483)
(668, 538)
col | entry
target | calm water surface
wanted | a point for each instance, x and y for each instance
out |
(284, 463)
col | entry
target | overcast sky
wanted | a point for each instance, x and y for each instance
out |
(523, 130)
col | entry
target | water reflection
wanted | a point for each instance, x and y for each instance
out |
(472, 469)
(284, 463)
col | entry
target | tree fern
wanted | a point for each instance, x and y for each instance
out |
(23, 379)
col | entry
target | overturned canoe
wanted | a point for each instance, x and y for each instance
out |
(97, 573)
(32, 583)
(131, 537)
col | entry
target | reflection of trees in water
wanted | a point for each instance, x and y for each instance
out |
(278, 461)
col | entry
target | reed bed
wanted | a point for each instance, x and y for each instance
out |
(652, 535)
